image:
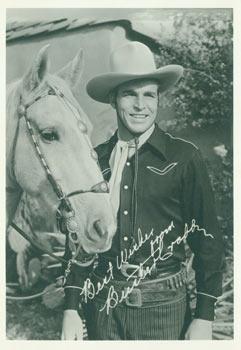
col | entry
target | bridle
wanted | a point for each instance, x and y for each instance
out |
(65, 214)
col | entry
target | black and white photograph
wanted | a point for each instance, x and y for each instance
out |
(119, 174)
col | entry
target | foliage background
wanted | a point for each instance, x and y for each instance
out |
(203, 101)
(202, 43)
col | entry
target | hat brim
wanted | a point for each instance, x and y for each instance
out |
(100, 87)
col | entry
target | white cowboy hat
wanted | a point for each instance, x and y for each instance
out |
(132, 61)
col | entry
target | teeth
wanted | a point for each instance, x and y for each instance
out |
(138, 116)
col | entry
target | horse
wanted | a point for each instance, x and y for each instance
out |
(51, 167)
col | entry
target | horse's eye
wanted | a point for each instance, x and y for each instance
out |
(49, 135)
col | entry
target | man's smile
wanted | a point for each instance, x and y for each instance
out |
(138, 115)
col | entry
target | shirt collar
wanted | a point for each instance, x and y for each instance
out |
(142, 138)
(106, 148)
(158, 141)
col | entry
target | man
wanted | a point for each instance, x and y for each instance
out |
(161, 197)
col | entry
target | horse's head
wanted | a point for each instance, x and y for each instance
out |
(50, 153)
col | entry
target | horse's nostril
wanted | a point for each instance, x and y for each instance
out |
(99, 228)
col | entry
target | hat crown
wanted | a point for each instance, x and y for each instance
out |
(129, 62)
(132, 58)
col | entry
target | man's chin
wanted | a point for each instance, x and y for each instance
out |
(138, 129)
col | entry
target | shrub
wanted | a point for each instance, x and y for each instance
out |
(202, 44)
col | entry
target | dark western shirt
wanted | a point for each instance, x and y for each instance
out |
(173, 201)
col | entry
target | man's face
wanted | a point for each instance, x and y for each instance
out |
(136, 106)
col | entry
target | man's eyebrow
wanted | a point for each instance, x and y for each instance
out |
(128, 91)
(150, 92)
(132, 91)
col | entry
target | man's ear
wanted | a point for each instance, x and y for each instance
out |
(158, 96)
(159, 100)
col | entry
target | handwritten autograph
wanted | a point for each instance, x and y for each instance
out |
(89, 290)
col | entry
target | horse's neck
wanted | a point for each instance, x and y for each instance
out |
(31, 217)
(36, 215)
(31, 222)
(14, 192)
(12, 122)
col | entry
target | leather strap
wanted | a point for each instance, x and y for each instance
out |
(160, 289)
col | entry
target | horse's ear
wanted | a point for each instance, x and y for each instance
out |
(72, 72)
(38, 70)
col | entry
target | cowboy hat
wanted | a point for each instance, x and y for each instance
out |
(132, 61)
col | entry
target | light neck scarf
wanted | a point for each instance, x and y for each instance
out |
(121, 152)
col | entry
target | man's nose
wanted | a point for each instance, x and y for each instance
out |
(139, 103)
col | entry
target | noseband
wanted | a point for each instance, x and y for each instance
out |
(65, 213)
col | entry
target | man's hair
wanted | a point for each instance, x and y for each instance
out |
(112, 96)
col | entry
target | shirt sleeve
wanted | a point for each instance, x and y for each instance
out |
(206, 241)
(74, 281)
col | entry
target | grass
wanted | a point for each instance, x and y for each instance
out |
(32, 320)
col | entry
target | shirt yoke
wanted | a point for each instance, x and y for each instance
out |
(179, 149)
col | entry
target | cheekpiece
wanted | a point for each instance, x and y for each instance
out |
(94, 155)
(104, 187)
(82, 127)
(21, 110)
(51, 92)
(71, 225)
(74, 237)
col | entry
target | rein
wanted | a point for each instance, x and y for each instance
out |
(65, 213)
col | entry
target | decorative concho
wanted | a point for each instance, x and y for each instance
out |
(51, 92)
(71, 225)
(82, 127)
(94, 154)
(68, 214)
(104, 187)
(73, 236)
(21, 110)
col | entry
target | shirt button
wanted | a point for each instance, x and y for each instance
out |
(125, 187)
(128, 163)
(125, 212)
(125, 238)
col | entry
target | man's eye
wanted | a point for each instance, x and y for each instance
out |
(49, 136)
(151, 95)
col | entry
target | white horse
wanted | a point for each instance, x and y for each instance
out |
(47, 131)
